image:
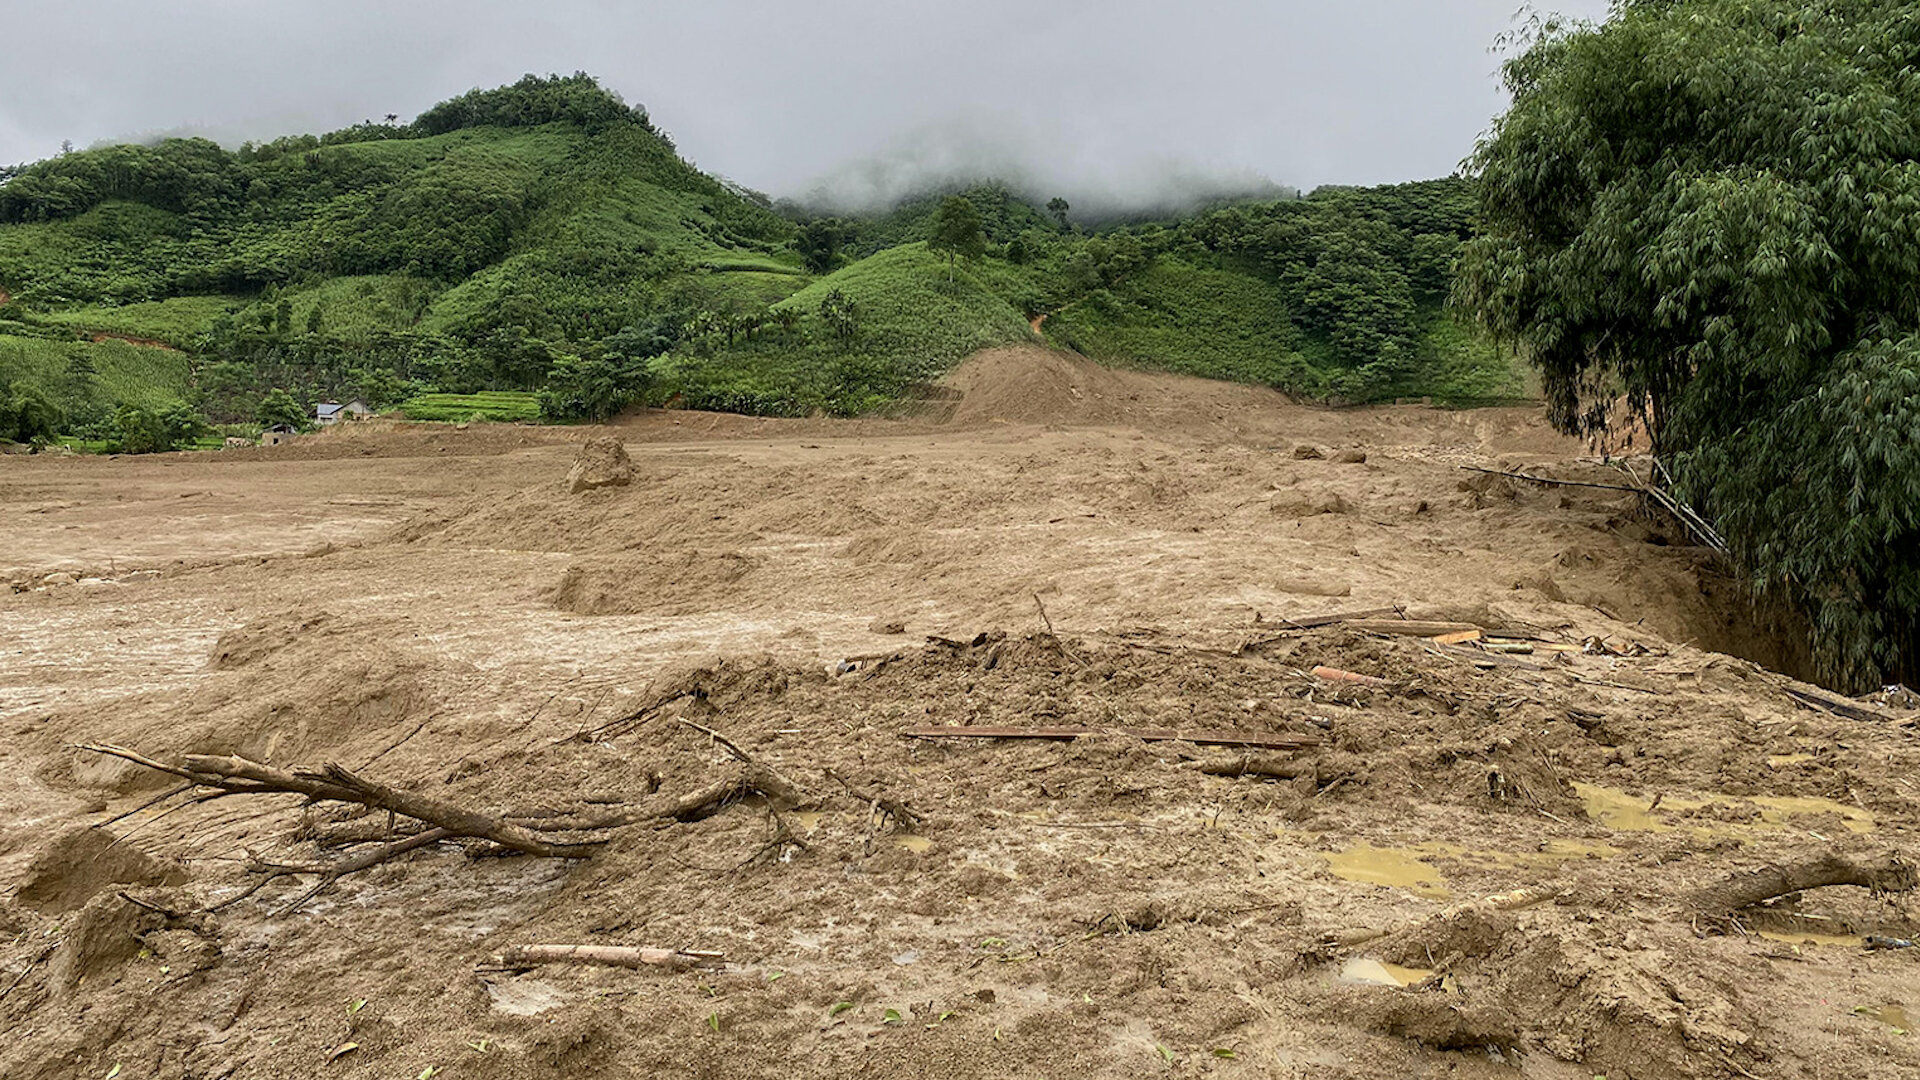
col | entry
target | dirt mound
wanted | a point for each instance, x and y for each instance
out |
(601, 462)
(1026, 384)
(81, 863)
(290, 686)
(263, 637)
(664, 585)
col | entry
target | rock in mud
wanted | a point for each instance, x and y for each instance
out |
(1307, 452)
(1351, 457)
(602, 462)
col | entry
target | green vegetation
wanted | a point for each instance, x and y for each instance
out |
(1708, 207)
(180, 322)
(545, 241)
(505, 406)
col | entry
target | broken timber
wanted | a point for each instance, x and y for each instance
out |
(1837, 705)
(1199, 738)
(521, 957)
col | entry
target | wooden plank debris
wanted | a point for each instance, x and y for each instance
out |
(1287, 741)
(1410, 627)
(1310, 622)
(1332, 674)
(1838, 706)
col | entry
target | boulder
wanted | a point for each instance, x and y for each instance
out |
(602, 462)
(1351, 457)
(1307, 452)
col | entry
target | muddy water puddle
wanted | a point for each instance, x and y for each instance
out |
(1399, 868)
(1893, 1016)
(1408, 867)
(1618, 810)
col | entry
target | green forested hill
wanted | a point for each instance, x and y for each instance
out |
(546, 237)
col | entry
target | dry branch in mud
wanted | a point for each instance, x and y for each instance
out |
(548, 832)
(1198, 738)
(333, 783)
(522, 957)
(1273, 766)
(1886, 874)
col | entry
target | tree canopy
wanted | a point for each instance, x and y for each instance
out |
(956, 231)
(1712, 209)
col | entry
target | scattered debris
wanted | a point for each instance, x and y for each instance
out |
(525, 957)
(1337, 675)
(1198, 738)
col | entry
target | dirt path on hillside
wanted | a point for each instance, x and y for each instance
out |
(431, 606)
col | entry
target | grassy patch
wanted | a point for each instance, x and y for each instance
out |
(911, 315)
(506, 406)
(178, 321)
(912, 324)
(1174, 317)
(123, 374)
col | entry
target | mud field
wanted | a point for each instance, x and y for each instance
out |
(1512, 850)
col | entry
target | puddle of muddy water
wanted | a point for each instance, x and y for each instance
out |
(1893, 1016)
(1369, 972)
(1633, 813)
(1370, 865)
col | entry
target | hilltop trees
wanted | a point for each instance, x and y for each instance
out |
(956, 231)
(1712, 208)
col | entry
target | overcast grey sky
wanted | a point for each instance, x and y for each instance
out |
(1111, 96)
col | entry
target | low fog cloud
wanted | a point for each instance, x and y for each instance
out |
(1111, 104)
(1098, 181)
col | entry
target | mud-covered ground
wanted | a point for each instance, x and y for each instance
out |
(1486, 866)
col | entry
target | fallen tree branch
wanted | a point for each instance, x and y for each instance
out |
(1551, 482)
(765, 778)
(530, 832)
(329, 873)
(336, 783)
(1198, 738)
(521, 957)
(904, 816)
(1838, 706)
(1886, 874)
(1688, 518)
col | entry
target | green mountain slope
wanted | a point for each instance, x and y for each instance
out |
(545, 236)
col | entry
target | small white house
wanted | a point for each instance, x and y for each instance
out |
(332, 412)
(277, 434)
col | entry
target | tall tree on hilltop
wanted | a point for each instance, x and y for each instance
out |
(1058, 207)
(957, 231)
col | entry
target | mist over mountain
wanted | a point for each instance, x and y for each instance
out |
(1101, 182)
